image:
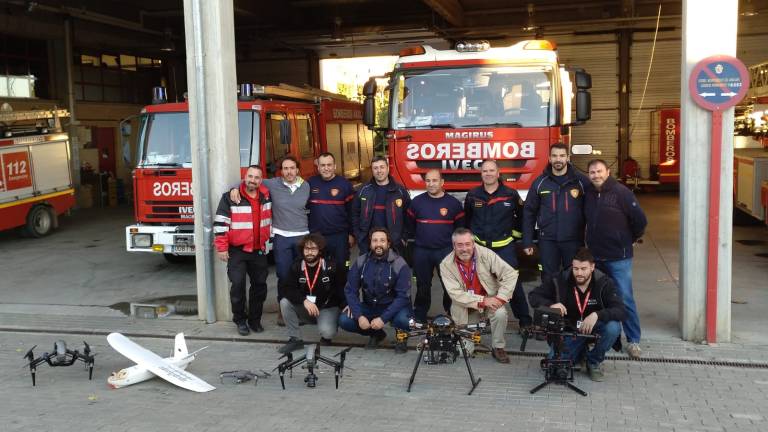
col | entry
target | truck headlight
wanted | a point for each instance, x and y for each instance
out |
(141, 240)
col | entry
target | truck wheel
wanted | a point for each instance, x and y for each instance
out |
(39, 221)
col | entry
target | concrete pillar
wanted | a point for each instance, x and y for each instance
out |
(709, 28)
(212, 87)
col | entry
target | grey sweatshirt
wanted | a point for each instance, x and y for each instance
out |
(289, 210)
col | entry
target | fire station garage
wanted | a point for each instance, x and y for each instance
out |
(98, 139)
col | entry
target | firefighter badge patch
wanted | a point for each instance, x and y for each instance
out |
(443, 211)
(334, 192)
(399, 202)
(574, 193)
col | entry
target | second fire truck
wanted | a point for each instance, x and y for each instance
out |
(273, 121)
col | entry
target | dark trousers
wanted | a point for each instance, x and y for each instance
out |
(337, 247)
(425, 261)
(399, 321)
(518, 303)
(253, 265)
(286, 251)
(556, 256)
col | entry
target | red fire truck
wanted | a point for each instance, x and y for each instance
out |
(36, 181)
(451, 109)
(273, 122)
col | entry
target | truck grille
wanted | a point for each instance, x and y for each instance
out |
(169, 210)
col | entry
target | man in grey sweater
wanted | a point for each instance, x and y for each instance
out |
(289, 194)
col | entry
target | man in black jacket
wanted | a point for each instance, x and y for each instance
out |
(312, 292)
(588, 300)
(382, 202)
(615, 222)
(555, 204)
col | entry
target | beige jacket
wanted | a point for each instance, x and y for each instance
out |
(495, 275)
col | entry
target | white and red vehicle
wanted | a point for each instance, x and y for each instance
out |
(276, 121)
(452, 109)
(36, 181)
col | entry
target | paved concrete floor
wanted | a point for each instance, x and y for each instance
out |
(635, 397)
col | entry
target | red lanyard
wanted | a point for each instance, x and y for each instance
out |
(578, 302)
(311, 285)
(468, 279)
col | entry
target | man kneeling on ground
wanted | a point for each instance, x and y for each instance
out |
(383, 279)
(480, 284)
(311, 292)
(587, 298)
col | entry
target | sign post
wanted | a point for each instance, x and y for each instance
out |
(716, 84)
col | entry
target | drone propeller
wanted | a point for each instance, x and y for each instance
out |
(29, 355)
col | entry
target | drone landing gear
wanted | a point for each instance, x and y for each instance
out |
(311, 358)
(434, 359)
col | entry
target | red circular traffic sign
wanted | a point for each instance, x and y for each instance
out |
(718, 82)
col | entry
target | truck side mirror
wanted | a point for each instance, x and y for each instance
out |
(583, 97)
(369, 104)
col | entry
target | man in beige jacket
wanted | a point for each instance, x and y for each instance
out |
(480, 284)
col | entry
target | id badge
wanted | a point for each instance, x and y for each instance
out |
(578, 324)
(471, 291)
(312, 298)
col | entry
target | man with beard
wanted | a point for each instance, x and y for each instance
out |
(494, 214)
(588, 300)
(312, 293)
(615, 222)
(242, 239)
(330, 209)
(382, 202)
(480, 284)
(431, 219)
(555, 204)
(383, 280)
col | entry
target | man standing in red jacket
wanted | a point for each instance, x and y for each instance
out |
(242, 237)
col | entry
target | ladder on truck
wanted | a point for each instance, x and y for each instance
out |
(45, 121)
(306, 93)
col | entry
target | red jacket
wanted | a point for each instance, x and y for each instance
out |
(247, 225)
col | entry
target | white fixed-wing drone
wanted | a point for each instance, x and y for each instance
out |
(149, 365)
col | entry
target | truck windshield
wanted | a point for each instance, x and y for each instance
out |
(165, 139)
(478, 96)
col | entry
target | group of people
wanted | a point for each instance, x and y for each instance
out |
(586, 229)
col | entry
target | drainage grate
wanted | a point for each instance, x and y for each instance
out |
(736, 364)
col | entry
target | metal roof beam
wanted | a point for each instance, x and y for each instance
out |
(450, 10)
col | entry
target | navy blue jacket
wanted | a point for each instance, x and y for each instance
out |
(614, 221)
(397, 203)
(493, 217)
(384, 282)
(558, 209)
(330, 205)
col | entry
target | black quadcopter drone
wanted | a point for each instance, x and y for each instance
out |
(442, 343)
(61, 356)
(311, 357)
(241, 376)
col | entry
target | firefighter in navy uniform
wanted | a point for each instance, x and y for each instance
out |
(330, 210)
(382, 202)
(431, 220)
(555, 203)
(493, 212)
(243, 239)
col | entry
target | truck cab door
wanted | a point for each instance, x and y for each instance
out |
(277, 141)
(306, 143)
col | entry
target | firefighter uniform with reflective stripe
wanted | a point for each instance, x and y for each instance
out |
(330, 214)
(431, 221)
(495, 220)
(244, 230)
(555, 205)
